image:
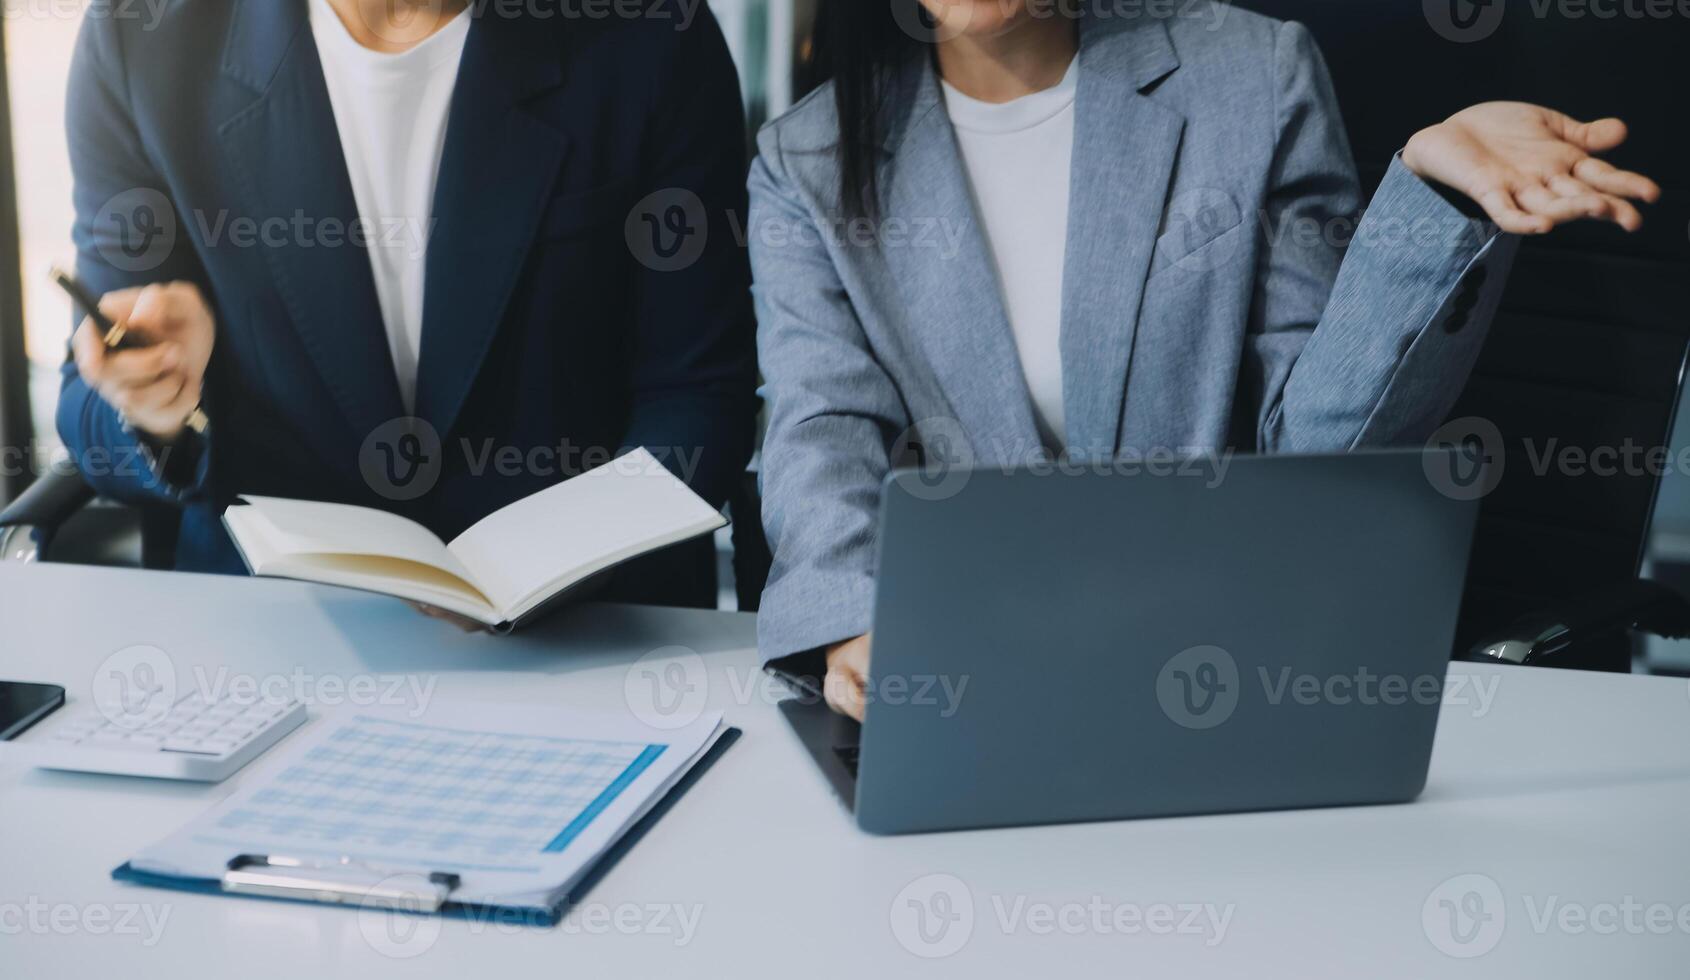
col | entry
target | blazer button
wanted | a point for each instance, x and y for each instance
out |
(1466, 300)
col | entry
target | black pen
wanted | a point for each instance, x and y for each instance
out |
(112, 334)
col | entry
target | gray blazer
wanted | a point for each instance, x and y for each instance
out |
(1217, 295)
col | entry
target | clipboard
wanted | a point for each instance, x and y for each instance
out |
(354, 883)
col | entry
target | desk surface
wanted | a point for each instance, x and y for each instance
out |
(1556, 812)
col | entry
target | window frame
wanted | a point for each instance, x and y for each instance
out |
(17, 427)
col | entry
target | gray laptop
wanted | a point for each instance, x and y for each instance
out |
(1257, 633)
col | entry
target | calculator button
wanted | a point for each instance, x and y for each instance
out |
(189, 745)
(109, 740)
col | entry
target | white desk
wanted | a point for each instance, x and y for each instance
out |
(1572, 788)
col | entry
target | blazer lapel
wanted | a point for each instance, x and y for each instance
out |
(498, 167)
(284, 149)
(1125, 147)
(953, 302)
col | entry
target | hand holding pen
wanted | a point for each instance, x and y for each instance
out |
(145, 351)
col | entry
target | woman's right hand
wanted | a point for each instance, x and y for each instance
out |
(847, 675)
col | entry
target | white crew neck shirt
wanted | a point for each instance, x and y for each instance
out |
(391, 111)
(1018, 156)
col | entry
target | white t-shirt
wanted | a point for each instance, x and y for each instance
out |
(1018, 155)
(391, 111)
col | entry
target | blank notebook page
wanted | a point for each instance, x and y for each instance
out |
(578, 528)
(304, 527)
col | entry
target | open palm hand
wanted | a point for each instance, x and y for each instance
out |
(1532, 168)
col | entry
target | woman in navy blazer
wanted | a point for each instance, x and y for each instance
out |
(582, 295)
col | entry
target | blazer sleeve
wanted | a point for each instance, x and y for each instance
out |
(695, 361)
(1372, 344)
(834, 414)
(114, 180)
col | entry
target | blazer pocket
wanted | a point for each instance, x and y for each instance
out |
(577, 212)
(1195, 229)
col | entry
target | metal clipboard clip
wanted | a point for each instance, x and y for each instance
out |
(340, 882)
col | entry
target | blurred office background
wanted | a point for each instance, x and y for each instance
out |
(769, 40)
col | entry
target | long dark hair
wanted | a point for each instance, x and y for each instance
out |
(860, 45)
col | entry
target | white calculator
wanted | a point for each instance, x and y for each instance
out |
(198, 739)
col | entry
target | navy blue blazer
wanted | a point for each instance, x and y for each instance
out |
(205, 149)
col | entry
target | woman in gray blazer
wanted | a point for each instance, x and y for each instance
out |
(1004, 230)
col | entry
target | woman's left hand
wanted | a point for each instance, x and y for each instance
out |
(1531, 168)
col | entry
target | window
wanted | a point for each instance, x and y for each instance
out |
(40, 37)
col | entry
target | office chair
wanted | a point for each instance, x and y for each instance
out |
(29, 524)
(52, 520)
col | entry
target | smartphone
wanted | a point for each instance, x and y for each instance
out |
(22, 705)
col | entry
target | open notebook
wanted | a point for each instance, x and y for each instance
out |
(500, 571)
